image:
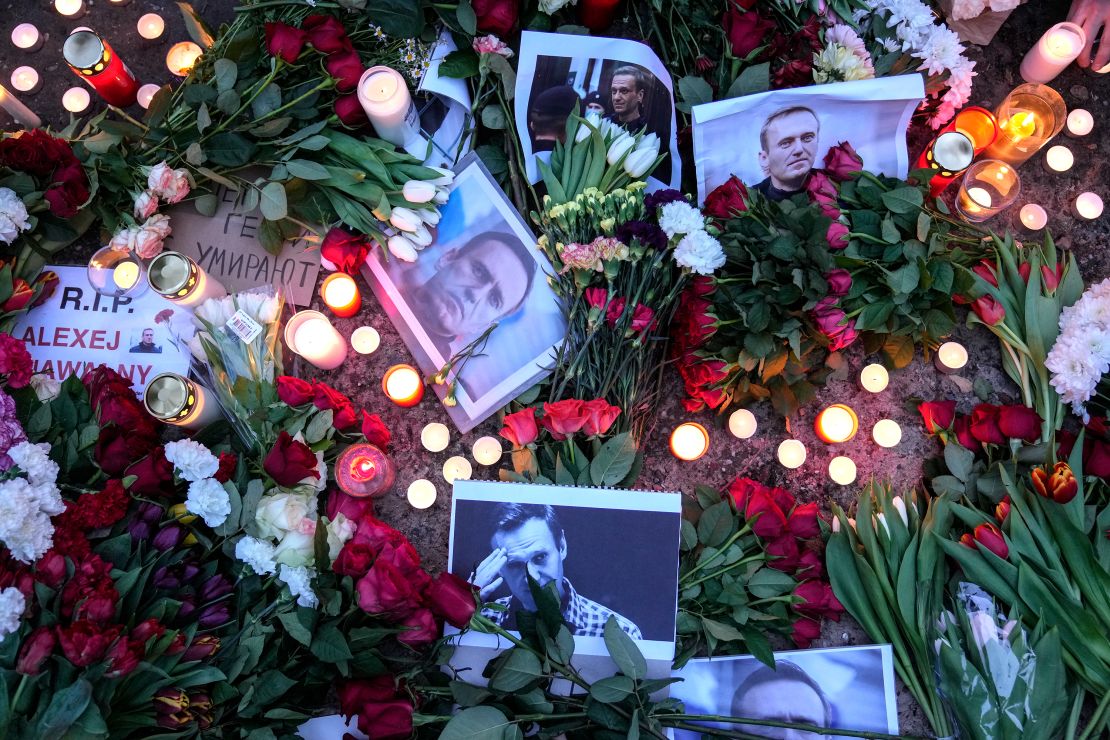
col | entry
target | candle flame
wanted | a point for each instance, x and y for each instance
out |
(1021, 125)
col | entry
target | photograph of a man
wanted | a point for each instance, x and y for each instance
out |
(784, 693)
(547, 121)
(146, 344)
(626, 94)
(528, 540)
(787, 151)
(595, 104)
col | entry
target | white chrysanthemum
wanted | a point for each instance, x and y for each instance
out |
(192, 460)
(208, 500)
(12, 605)
(34, 460)
(700, 252)
(13, 215)
(46, 387)
(680, 217)
(256, 553)
(299, 581)
(837, 63)
(24, 526)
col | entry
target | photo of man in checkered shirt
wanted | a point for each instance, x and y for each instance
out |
(529, 540)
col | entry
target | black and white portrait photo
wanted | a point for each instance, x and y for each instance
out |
(483, 268)
(616, 80)
(773, 140)
(502, 533)
(849, 688)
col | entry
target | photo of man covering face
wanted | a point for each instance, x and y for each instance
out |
(787, 151)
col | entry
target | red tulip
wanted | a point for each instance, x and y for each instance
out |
(989, 536)
(989, 310)
(1060, 485)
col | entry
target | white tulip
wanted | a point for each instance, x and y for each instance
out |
(638, 162)
(442, 196)
(421, 237)
(620, 146)
(446, 177)
(584, 131)
(649, 142)
(418, 191)
(430, 215)
(900, 505)
(404, 219)
(401, 248)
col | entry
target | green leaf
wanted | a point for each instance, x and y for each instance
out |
(228, 102)
(521, 668)
(319, 426)
(478, 723)
(493, 116)
(613, 690)
(721, 631)
(230, 149)
(754, 79)
(330, 646)
(903, 200)
(695, 90)
(206, 205)
(466, 17)
(768, 583)
(63, 710)
(460, 64)
(195, 26)
(273, 202)
(899, 349)
(613, 460)
(622, 649)
(716, 524)
(403, 18)
(959, 460)
(204, 120)
(306, 169)
(226, 72)
(468, 695)
(296, 629)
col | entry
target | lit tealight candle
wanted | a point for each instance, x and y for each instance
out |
(1033, 217)
(311, 335)
(341, 295)
(26, 37)
(182, 56)
(151, 26)
(457, 468)
(837, 423)
(742, 424)
(146, 94)
(1080, 122)
(887, 433)
(365, 340)
(26, 80)
(1088, 206)
(76, 100)
(689, 441)
(874, 378)
(842, 470)
(403, 385)
(792, 453)
(70, 8)
(119, 3)
(435, 437)
(487, 450)
(950, 357)
(125, 274)
(1058, 159)
(421, 493)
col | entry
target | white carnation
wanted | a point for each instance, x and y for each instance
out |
(209, 500)
(25, 526)
(34, 460)
(46, 387)
(680, 217)
(700, 252)
(192, 460)
(12, 605)
(299, 581)
(256, 553)
(13, 215)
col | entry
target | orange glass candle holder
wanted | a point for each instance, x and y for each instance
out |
(977, 124)
(835, 424)
(341, 294)
(364, 470)
(403, 385)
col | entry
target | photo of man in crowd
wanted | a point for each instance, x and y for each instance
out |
(595, 104)
(626, 94)
(787, 151)
(547, 121)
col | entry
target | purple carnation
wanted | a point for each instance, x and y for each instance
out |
(663, 197)
(646, 233)
(11, 432)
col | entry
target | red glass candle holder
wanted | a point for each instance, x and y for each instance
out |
(948, 156)
(597, 15)
(94, 61)
(364, 470)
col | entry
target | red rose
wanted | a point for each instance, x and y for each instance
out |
(1096, 457)
(452, 599)
(353, 695)
(727, 199)
(837, 235)
(841, 162)
(35, 152)
(126, 412)
(795, 73)
(345, 250)
(840, 282)
(294, 391)
(352, 507)
(746, 30)
(805, 631)
(962, 427)
(783, 551)
(375, 430)
(422, 628)
(284, 41)
(290, 461)
(70, 191)
(354, 559)
(377, 534)
(767, 518)
(600, 416)
(802, 522)
(36, 648)
(984, 425)
(386, 590)
(810, 565)
(989, 310)
(389, 720)
(20, 297)
(834, 324)
(350, 111)
(564, 418)
(102, 382)
(229, 461)
(326, 33)
(153, 474)
(1019, 422)
(346, 68)
(328, 398)
(496, 16)
(116, 448)
(520, 427)
(740, 490)
(817, 600)
(83, 643)
(937, 415)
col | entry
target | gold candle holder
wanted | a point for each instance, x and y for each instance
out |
(988, 187)
(1029, 117)
(176, 277)
(174, 399)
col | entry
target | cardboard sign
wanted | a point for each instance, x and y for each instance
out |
(227, 247)
(78, 329)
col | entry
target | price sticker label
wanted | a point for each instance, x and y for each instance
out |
(243, 326)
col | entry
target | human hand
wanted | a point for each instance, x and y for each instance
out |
(487, 576)
(1092, 16)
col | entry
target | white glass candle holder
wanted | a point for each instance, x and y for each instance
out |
(951, 357)
(27, 38)
(70, 8)
(457, 468)
(887, 433)
(842, 470)
(178, 278)
(177, 400)
(117, 272)
(421, 493)
(791, 453)
(988, 187)
(385, 97)
(1053, 52)
(310, 335)
(1028, 118)
(874, 378)
(689, 441)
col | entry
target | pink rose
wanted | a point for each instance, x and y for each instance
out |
(837, 235)
(124, 239)
(491, 45)
(840, 282)
(151, 235)
(168, 184)
(841, 161)
(146, 203)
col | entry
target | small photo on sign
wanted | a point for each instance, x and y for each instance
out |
(483, 268)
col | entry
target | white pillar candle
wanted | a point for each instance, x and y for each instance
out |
(26, 80)
(146, 94)
(435, 437)
(487, 450)
(385, 97)
(76, 100)
(26, 37)
(874, 378)
(791, 453)
(1080, 122)
(1033, 217)
(842, 470)
(365, 340)
(1058, 48)
(151, 26)
(70, 8)
(1088, 206)
(182, 56)
(311, 335)
(1058, 159)
(950, 357)
(23, 115)
(457, 468)
(421, 493)
(742, 424)
(887, 433)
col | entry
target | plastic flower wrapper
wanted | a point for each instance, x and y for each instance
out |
(1000, 681)
(235, 346)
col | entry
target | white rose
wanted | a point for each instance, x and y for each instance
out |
(283, 512)
(46, 387)
(124, 239)
(340, 530)
(13, 215)
(418, 191)
(296, 549)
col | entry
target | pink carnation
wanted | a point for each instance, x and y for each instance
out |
(491, 45)
(581, 257)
